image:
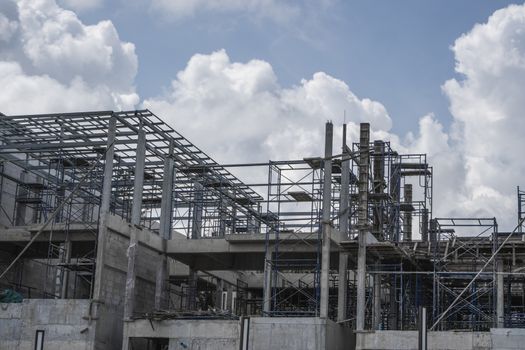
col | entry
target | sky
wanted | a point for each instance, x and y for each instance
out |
(252, 80)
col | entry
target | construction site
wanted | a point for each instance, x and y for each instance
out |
(116, 232)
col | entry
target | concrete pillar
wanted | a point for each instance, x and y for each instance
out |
(66, 258)
(364, 163)
(191, 303)
(393, 304)
(166, 204)
(223, 216)
(267, 291)
(407, 220)
(105, 207)
(500, 304)
(379, 186)
(326, 224)
(196, 222)
(160, 280)
(424, 225)
(377, 302)
(136, 210)
(432, 233)
(166, 211)
(344, 215)
(395, 190)
(218, 294)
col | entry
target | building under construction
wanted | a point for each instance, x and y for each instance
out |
(116, 232)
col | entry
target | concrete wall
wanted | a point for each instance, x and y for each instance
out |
(506, 339)
(294, 333)
(111, 312)
(408, 340)
(299, 333)
(65, 323)
(189, 334)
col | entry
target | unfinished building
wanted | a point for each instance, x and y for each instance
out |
(118, 233)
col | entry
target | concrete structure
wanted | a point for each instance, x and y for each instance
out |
(120, 234)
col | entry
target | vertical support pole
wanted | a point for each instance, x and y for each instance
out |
(166, 202)
(191, 303)
(377, 302)
(166, 208)
(422, 329)
(196, 222)
(327, 226)
(424, 225)
(344, 215)
(267, 292)
(136, 210)
(65, 270)
(105, 207)
(379, 185)
(364, 164)
(500, 303)
(408, 213)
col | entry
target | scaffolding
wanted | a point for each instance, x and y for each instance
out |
(350, 236)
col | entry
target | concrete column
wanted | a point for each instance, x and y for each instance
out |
(433, 231)
(166, 204)
(407, 220)
(500, 303)
(364, 163)
(223, 216)
(166, 211)
(191, 303)
(105, 207)
(395, 189)
(218, 296)
(424, 225)
(379, 187)
(267, 291)
(196, 222)
(160, 280)
(377, 302)
(66, 258)
(344, 215)
(136, 210)
(326, 224)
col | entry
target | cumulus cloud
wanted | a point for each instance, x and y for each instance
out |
(277, 10)
(54, 62)
(239, 111)
(487, 103)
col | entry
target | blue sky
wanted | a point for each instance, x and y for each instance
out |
(396, 52)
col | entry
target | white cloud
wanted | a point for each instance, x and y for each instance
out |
(54, 62)
(238, 111)
(488, 105)
(7, 28)
(278, 10)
